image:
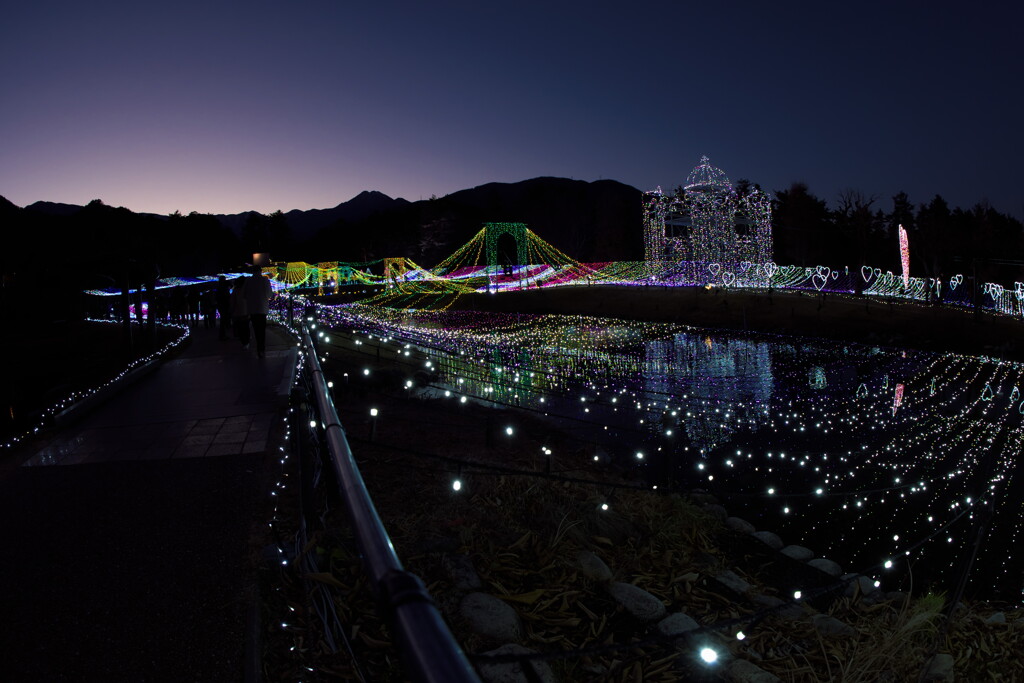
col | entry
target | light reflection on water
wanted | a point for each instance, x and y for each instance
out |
(862, 454)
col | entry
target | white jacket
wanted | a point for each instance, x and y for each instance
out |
(257, 294)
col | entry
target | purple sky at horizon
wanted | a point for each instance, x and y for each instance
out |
(226, 107)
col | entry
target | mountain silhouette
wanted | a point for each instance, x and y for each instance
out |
(589, 221)
(54, 208)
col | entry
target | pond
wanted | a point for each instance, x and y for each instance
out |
(897, 464)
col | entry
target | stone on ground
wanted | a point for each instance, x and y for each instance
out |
(593, 566)
(832, 627)
(772, 540)
(515, 672)
(733, 581)
(489, 616)
(717, 511)
(677, 624)
(739, 524)
(798, 553)
(742, 671)
(638, 602)
(827, 566)
(940, 668)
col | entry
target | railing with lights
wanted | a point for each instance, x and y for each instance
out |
(430, 651)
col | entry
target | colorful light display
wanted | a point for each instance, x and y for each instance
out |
(708, 224)
(905, 256)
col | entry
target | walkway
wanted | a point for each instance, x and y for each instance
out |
(133, 559)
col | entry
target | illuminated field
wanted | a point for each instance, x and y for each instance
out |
(879, 458)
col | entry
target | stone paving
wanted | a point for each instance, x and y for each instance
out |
(216, 399)
(133, 560)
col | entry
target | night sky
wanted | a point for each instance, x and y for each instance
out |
(226, 107)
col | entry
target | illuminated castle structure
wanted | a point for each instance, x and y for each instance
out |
(707, 222)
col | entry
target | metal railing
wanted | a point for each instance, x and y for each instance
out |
(430, 651)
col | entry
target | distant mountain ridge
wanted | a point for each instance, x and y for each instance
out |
(305, 223)
(599, 220)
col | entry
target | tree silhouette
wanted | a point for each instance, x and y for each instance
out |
(802, 226)
(279, 237)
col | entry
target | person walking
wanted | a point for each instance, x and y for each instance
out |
(192, 303)
(257, 298)
(207, 307)
(240, 311)
(223, 297)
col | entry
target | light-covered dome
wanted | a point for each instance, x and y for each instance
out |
(706, 178)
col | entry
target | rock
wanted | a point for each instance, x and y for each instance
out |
(593, 566)
(832, 627)
(939, 668)
(732, 581)
(851, 584)
(702, 497)
(827, 566)
(740, 525)
(638, 602)
(997, 618)
(742, 671)
(717, 511)
(613, 526)
(677, 624)
(798, 553)
(460, 570)
(489, 616)
(897, 596)
(515, 672)
(866, 586)
(768, 538)
(781, 608)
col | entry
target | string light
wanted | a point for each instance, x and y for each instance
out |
(708, 231)
(76, 398)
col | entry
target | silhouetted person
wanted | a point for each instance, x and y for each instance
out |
(177, 305)
(240, 312)
(207, 307)
(137, 303)
(223, 297)
(257, 297)
(193, 306)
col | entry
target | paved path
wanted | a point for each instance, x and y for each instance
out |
(133, 559)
